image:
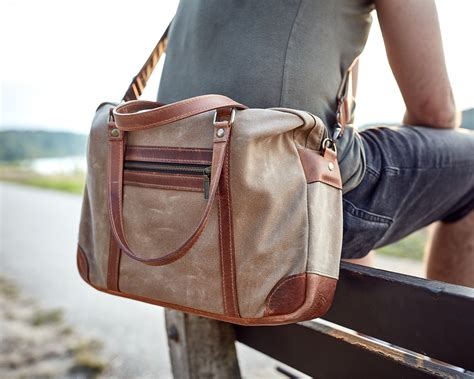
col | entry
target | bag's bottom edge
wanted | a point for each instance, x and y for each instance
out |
(313, 307)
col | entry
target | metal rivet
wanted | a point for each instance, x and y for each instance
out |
(331, 166)
(220, 132)
(115, 132)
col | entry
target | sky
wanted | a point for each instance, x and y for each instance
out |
(60, 59)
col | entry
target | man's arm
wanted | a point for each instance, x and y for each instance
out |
(412, 38)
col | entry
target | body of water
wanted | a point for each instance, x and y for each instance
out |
(62, 165)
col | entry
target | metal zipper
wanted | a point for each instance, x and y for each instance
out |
(173, 168)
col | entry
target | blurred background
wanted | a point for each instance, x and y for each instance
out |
(59, 60)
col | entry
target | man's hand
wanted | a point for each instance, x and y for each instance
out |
(412, 38)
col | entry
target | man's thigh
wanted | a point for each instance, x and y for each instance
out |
(414, 176)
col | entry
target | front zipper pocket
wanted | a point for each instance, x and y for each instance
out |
(186, 169)
(173, 168)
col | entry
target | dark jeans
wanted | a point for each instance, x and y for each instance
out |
(414, 176)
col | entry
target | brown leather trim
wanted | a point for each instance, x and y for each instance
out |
(82, 265)
(319, 168)
(115, 189)
(226, 243)
(168, 154)
(113, 266)
(319, 296)
(164, 181)
(287, 295)
(142, 115)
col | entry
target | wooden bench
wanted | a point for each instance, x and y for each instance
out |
(381, 325)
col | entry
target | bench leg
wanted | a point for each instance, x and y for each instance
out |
(200, 347)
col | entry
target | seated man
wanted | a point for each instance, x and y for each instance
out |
(280, 53)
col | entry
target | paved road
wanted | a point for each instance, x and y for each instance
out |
(38, 234)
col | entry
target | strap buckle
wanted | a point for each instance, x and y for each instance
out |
(328, 143)
(231, 119)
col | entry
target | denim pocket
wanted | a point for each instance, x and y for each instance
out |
(363, 230)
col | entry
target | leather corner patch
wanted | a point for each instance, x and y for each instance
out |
(319, 168)
(287, 295)
(82, 264)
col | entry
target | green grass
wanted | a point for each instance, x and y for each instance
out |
(73, 183)
(43, 317)
(410, 247)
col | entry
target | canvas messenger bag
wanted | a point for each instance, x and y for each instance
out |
(212, 208)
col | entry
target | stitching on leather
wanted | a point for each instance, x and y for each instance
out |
(170, 106)
(137, 152)
(161, 186)
(113, 264)
(109, 263)
(109, 181)
(289, 279)
(231, 239)
(135, 178)
(120, 202)
(165, 121)
(169, 148)
(172, 160)
(221, 251)
(152, 174)
(169, 120)
(120, 199)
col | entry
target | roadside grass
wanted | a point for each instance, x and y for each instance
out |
(40, 343)
(73, 183)
(410, 247)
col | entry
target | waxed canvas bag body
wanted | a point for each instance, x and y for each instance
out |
(213, 208)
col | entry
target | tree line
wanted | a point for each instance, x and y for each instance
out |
(17, 145)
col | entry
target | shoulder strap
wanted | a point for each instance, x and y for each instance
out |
(345, 100)
(136, 87)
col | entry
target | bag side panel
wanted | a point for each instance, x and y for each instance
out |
(269, 205)
(94, 230)
(325, 225)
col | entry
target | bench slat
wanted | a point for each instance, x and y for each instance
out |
(429, 317)
(322, 356)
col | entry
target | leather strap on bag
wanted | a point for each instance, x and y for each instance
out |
(136, 87)
(115, 198)
(141, 115)
(345, 102)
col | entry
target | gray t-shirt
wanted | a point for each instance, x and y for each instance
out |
(270, 53)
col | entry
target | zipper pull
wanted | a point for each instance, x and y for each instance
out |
(207, 181)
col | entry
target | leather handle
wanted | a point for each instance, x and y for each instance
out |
(141, 115)
(115, 200)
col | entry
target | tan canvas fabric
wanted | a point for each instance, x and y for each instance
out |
(94, 232)
(269, 186)
(325, 219)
